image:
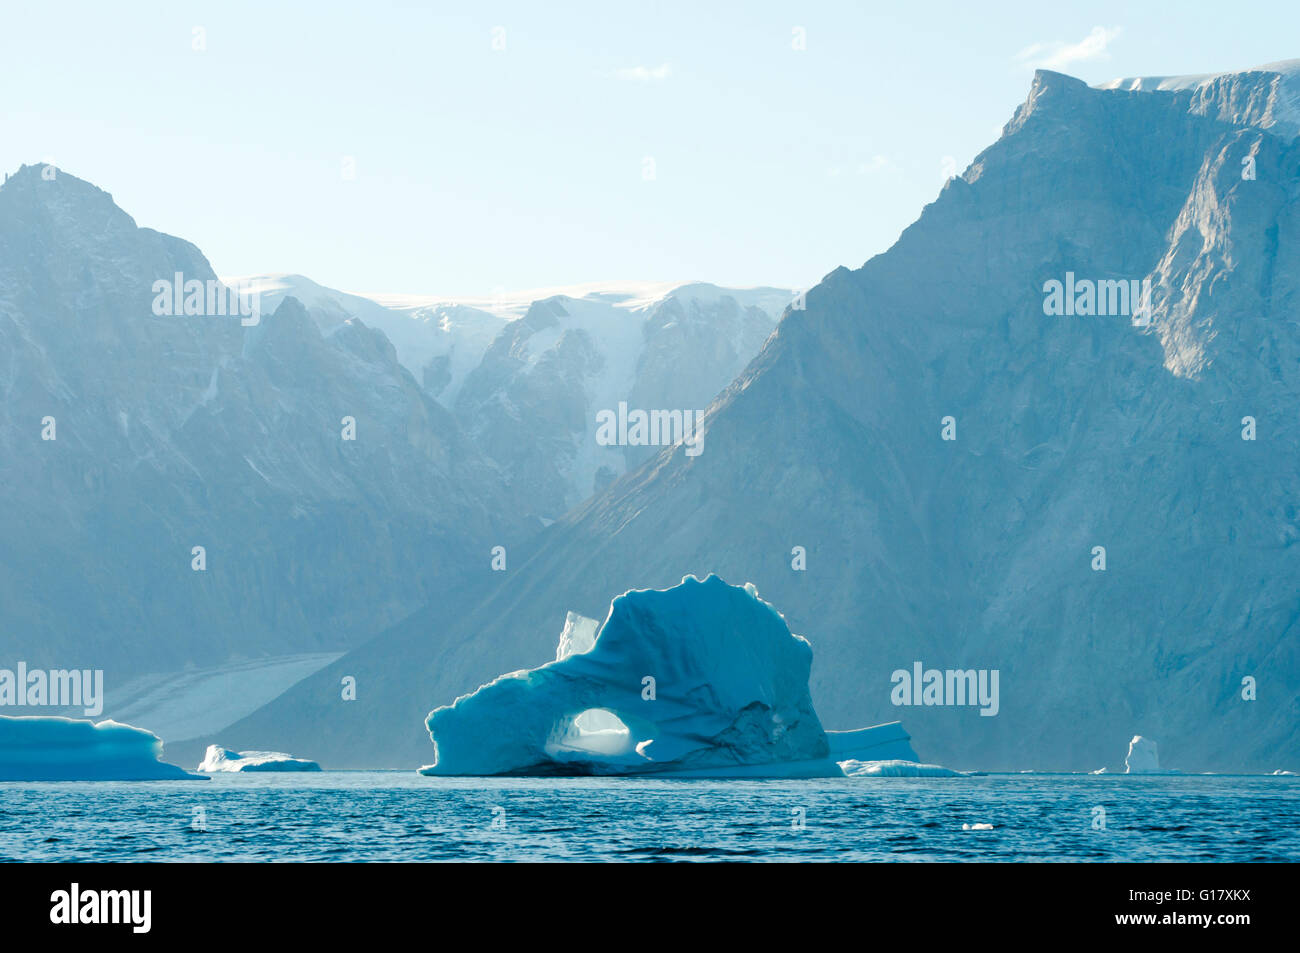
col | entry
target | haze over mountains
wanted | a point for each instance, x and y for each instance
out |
(170, 432)
(980, 552)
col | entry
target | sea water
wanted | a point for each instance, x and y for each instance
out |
(401, 816)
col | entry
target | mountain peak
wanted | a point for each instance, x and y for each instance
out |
(51, 176)
(1051, 89)
(44, 192)
(1046, 79)
(1265, 97)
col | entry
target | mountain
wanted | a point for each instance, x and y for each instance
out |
(527, 373)
(129, 436)
(438, 342)
(535, 401)
(979, 553)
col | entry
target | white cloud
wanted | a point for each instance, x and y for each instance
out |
(645, 74)
(877, 163)
(1058, 55)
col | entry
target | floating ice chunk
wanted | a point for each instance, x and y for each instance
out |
(71, 749)
(897, 769)
(1142, 757)
(977, 827)
(218, 759)
(1280, 773)
(703, 679)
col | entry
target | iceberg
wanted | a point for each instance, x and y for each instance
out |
(49, 748)
(1142, 757)
(218, 760)
(896, 768)
(887, 742)
(700, 680)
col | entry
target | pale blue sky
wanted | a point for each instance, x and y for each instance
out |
(479, 169)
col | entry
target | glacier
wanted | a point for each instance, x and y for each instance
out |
(50, 748)
(703, 679)
(219, 760)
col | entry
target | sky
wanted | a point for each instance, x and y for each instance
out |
(469, 149)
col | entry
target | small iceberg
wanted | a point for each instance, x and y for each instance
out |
(897, 769)
(700, 680)
(1143, 758)
(218, 759)
(50, 748)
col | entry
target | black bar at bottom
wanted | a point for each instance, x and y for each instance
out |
(1222, 903)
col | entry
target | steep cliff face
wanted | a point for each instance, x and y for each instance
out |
(1072, 433)
(174, 431)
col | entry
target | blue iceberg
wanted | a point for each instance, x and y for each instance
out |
(700, 680)
(71, 749)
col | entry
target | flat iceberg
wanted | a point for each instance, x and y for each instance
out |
(48, 748)
(700, 680)
(897, 768)
(218, 759)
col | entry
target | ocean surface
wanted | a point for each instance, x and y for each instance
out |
(401, 816)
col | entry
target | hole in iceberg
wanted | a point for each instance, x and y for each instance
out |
(596, 731)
